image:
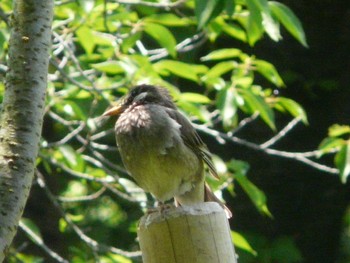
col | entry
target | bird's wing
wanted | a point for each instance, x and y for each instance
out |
(192, 140)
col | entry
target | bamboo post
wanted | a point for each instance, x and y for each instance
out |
(187, 234)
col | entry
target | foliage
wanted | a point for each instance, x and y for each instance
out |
(102, 48)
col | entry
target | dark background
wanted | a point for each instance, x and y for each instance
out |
(307, 204)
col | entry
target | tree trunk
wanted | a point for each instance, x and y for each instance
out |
(22, 110)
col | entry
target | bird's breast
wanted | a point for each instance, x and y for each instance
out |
(148, 127)
(153, 152)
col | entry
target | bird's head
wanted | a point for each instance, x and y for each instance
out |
(141, 95)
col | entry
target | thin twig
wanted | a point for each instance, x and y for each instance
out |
(282, 133)
(39, 241)
(107, 179)
(290, 155)
(152, 4)
(93, 244)
(69, 136)
(83, 198)
(243, 123)
(184, 46)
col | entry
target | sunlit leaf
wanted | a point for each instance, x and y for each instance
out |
(294, 108)
(87, 5)
(260, 17)
(193, 110)
(289, 20)
(256, 103)
(72, 157)
(21, 257)
(110, 66)
(163, 36)
(194, 97)
(230, 29)
(114, 258)
(220, 69)
(86, 38)
(342, 161)
(257, 196)
(178, 68)
(219, 54)
(168, 19)
(130, 41)
(62, 225)
(207, 10)
(242, 243)
(227, 104)
(337, 130)
(330, 144)
(269, 72)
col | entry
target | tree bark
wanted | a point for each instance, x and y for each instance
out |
(22, 110)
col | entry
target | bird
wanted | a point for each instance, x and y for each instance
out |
(161, 149)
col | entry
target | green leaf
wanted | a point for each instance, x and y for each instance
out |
(227, 104)
(71, 108)
(72, 158)
(256, 103)
(254, 26)
(240, 242)
(231, 29)
(86, 39)
(330, 144)
(224, 53)
(162, 35)
(114, 258)
(87, 5)
(342, 162)
(220, 69)
(111, 67)
(255, 194)
(230, 7)
(294, 108)
(194, 98)
(260, 17)
(337, 130)
(193, 110)
(269, 72)
(130, 41)
(167, 19)
(289, 20)
(178, 68)
(207, 10)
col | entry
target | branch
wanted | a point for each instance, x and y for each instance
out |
(39, 241)
(93, 244)
(186, 45)
(282, 133)
(107, 179)
(299, 156)
(152, 4)
(83, 198)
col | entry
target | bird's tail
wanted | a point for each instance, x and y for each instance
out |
(210, 197)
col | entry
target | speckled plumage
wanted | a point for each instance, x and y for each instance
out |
(160, 148)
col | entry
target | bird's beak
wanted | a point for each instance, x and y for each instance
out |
(115, 110)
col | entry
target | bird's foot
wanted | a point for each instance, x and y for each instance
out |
(161, 207)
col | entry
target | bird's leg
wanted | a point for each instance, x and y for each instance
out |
(160, 207)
